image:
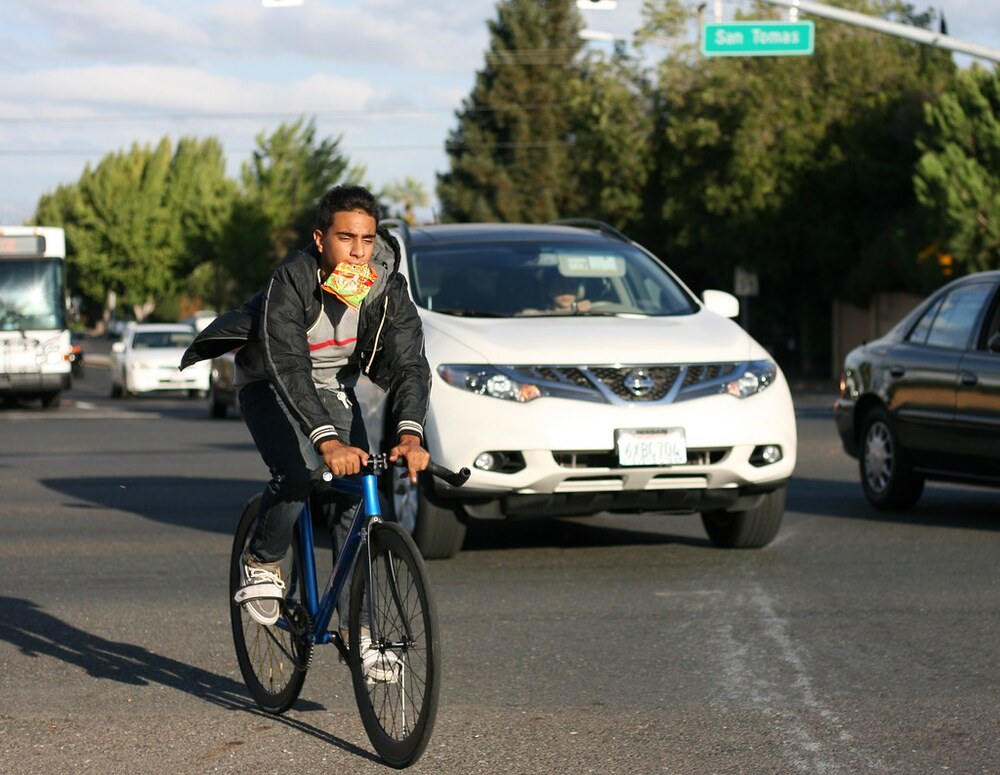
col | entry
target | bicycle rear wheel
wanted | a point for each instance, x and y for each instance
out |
(390, 602)
(273, 660)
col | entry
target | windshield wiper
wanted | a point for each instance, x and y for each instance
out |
(468, 313)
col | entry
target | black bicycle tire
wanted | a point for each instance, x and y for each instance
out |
(270, 701)
(420, 685)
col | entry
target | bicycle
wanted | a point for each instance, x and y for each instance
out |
(390, 613)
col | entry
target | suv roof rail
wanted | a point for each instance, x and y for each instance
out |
(397, 223)
(593, 223)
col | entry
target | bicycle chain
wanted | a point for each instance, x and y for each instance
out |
(299, 625)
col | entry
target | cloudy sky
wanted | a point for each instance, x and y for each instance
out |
(83, 78)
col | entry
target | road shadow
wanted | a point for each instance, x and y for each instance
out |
(36, 633)
(210, 504)
(573, 533)
(940, 505)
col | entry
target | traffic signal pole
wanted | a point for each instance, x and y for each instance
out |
(917, 34)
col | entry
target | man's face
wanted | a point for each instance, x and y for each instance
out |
(350, 237)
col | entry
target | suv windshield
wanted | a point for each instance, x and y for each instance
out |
(533, 277)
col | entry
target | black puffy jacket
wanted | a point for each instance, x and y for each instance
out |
(273, 325)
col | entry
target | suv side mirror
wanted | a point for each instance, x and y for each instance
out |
(722, 303)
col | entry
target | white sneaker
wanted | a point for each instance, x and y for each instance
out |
(262, 590)
(377, 666)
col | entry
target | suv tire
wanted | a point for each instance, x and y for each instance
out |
(750, 529)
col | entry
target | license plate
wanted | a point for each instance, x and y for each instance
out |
(651, 447)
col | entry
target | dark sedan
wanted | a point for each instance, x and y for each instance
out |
(923, 401)
(222, 393)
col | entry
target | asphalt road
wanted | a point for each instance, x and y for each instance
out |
(858, 642)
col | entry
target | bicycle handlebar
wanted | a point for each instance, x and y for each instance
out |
(454, 478)
(378, 463)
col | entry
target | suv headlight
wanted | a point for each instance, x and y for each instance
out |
(756, 377)
(490, 381)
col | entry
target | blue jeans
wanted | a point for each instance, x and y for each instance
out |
(291, 458)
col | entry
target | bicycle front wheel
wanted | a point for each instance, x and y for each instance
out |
(395, 662)
(273, 660)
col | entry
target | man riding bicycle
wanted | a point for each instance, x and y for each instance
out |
(330, 311)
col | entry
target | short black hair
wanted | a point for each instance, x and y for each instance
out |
(345, 197)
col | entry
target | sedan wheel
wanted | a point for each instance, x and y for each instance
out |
(886, 476)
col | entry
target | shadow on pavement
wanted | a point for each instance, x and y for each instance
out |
(35, 633)
(940, 505)
(572, 533)
(213, 505)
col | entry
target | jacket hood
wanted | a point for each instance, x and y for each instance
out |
(385, 259)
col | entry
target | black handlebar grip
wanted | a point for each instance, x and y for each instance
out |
(455, 479)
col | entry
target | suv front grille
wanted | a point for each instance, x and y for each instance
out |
(659, 383)
(656, 381)
(608, 459)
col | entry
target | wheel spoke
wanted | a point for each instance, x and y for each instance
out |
(398, 714)
(273, 660)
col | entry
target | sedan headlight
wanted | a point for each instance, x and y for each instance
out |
(489, 381)
(756, 377)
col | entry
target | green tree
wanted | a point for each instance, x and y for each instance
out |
(120, 228)
(957, 179)
(406, 194)
(797, 168)
(510, 153)
(275, 210)
(612, 114)
(200, 199)
(144, 224)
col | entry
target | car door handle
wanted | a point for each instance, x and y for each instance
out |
(896, 371)
(969, 379)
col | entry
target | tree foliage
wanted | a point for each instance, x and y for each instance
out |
(407, 194)
(153, 224)
(120, 226)
(510, 153)
(612, 115)
(281, 183)
(957, 178)
(796, 168)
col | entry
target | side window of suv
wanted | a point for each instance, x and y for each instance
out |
(955, 322)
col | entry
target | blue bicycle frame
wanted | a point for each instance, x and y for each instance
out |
(320, 608)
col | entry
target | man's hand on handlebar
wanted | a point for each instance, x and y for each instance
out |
(341, 459)
(417, 458)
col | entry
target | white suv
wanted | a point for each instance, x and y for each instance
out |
(623, 393)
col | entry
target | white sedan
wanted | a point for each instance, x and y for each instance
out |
(573, 373)
(146, 359)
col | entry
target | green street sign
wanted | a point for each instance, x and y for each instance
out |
(758, 39)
